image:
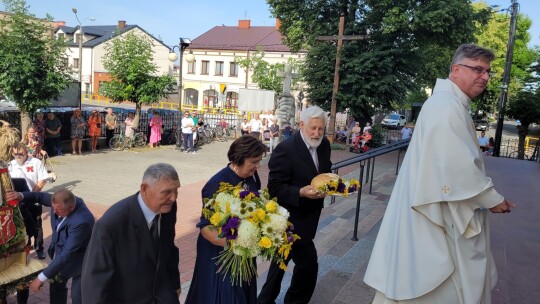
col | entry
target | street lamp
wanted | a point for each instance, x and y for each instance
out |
(184, 43)
(74, 10)
(506, 78)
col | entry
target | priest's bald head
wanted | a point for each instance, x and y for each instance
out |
(471, 69)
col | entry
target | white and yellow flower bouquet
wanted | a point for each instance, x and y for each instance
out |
(253, 225)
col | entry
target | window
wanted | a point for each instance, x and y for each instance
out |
(232, 100)
(210, 98)
(219, 67)
(191, 97)
(205, 64)
(233, 69)
(76, 63)
(191, 67)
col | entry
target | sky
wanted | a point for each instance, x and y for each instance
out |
(171, 19)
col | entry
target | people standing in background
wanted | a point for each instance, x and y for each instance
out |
(483, 141)
(355, 132)
(53, 126)
(406, 132)
(244, 127)
(78, 130)
(255, 126)
(39, 125)
(110, 121)
(274, 136)
(129, 122)
(94, 130)
(367, 127)
(155, 126)
(187, 132)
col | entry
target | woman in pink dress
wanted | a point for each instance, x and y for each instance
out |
(155, 130)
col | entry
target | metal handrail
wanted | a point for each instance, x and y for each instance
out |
(368, 156)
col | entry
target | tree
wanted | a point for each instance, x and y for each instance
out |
(526, 108)
(265, 74)
(494, 35)
(129, 60)
(32, 62)
(409, 45)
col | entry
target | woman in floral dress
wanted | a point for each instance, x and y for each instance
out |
(78, 128)
(39, 127)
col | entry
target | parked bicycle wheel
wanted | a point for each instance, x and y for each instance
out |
(140, 139)
(117, 142)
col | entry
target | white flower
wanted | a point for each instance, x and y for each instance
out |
(277, 222)
(248, 235)
(283, 212)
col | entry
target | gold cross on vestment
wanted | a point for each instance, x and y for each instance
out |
(445, 189)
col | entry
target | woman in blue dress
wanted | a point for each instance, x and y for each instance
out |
(207, 285)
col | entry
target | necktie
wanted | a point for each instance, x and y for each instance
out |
(154, 232)
(313, 153)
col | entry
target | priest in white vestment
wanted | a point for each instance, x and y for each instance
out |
(433, 244)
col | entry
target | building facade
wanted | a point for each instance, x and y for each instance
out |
(213, 80)
(94, 40)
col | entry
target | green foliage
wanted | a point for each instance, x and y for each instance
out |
(377, 136)
(265, 74)
(129, 60)
(410, 44)
(494, 35)
(416, 96)
(526, 108)
(32, 62)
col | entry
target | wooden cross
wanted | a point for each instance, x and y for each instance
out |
(340, 38)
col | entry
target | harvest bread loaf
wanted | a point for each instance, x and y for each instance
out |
(333, 184)
(323, 179)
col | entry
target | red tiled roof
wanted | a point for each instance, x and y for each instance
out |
(240, 39)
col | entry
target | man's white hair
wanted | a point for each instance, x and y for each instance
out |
(159, 171)
(313, 112)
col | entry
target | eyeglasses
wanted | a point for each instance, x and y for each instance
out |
(478, 70)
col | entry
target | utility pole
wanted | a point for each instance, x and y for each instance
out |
(340, 38)
(506, 78)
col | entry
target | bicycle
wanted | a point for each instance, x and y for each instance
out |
(119, 141)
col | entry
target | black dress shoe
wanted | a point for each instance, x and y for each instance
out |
(41, 255)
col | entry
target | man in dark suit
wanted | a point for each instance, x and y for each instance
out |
(132, 257)
(71, 223)
(293, 164)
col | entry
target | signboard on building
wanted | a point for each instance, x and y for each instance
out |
(251, 100)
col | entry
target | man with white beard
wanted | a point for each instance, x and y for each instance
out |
(293, 164)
